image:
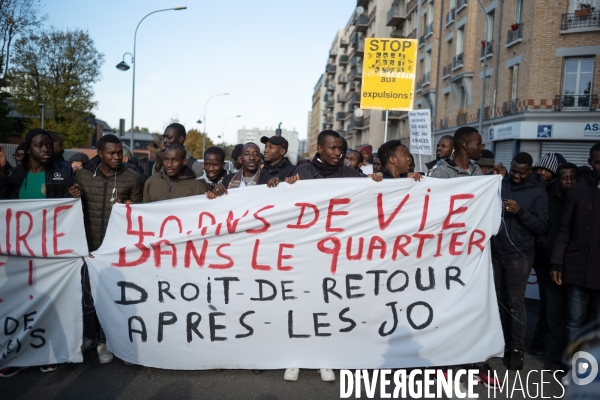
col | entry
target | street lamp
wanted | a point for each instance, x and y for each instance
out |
(123, 66)
(205, 105)
(223, 132)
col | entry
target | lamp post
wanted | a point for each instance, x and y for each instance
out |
(205, 105)
(223, 132)
(124, 67)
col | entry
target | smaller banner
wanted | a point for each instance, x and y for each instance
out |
(41, 249)
(388, 74)
(420, 132)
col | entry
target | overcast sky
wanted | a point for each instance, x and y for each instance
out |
(268, 54)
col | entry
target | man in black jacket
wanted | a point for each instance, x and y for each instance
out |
(576, 255)
(276, 164)
(525, 216)
(395, 160)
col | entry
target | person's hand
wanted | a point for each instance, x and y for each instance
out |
(273, 182)
(415, 175)
(121, 201)
(500, 169)
(556, 277)
(159, 160)
(377, 176)
(210, 195)
(75, 191)
(219, 190)
(292, 179)
(511, 206)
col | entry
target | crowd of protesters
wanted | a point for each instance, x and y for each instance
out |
(550, 214)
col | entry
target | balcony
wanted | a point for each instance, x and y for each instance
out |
(355, 62)
(330, 87)
(340, 116)
(348, 97)
(450, 16)
(447, 71)
(429, 30)
(343, 60)
(460, 4)
(332, 53)
(359, 48)
(457, 62)
(355, 99)
(362, 23)
(330, 103)
(575, 102)
(342, 80)
(571, 22)
(397, 33)
(411, 4)
(490, 48)
(343, 43)
(487, 113)
(510, 107)
(330, 68)
(356, 74)
(443, 124)
(421, 40)
(340, 99)
(396, 14)
(514, 36)
(392, 115)
(426, 79)
(461, 118)
(328, 120)
(418, 84)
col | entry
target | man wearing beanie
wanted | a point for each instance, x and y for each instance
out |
(546, 167)
(525, 216)
(486, 162)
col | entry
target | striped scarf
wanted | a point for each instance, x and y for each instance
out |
(236, 181)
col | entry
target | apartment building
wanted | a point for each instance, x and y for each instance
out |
(317, 114)
(532, 62)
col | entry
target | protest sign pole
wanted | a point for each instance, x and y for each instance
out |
(386, 126)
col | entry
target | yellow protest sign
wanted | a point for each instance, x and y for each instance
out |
(388, 80)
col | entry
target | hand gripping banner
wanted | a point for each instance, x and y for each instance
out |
(344, 273)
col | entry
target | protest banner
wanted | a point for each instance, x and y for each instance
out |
(420, 131)
(40, 282)
(388, 78)
(363, 274)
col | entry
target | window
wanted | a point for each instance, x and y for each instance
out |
(450, 56)
(452, 4)
(487, 89)
(515, 82)
(430, 13)
(463, 98)
(489, 36)
(428, 61)
(460, 40)
(518, 11)
(446, 105)
(577, 84)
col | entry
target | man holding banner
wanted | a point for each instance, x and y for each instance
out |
(467, 146)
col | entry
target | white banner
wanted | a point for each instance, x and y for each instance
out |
(40, 296)
(345, 273)
(420, 132)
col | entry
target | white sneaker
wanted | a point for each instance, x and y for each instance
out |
(104, 356)
(327, 374)
(291, 374)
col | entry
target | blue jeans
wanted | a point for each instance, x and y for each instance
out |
(510, 279)
(579, 299)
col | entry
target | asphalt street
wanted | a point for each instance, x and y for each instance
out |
(90, 381)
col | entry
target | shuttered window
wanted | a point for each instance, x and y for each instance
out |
(574, 152)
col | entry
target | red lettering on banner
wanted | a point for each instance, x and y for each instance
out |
(190, 250)
(158, 253)
(478, 242)
(384, 223)
(123, 255)
(44, 247)
(255, 264)
(454, 243)
(266, 224)
(422, 238)
(30, 280)
(23, 238)
(213, 221)
(218, 230)
(400, 247)
(382, 247)
(55, 234)
(140, 233)
(8, 218)
(233, 222)
(331, 213)
(358, 256)
(230, 262)
(425, 210)
(334, 251)
(170, 218)
(459, 210)
(299, 224)
(438, 252)
(281, 257)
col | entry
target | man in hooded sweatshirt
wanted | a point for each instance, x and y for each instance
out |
(176, 179)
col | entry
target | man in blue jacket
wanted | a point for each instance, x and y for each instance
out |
(525, 216)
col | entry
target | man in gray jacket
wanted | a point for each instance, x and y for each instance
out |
(467, 147)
